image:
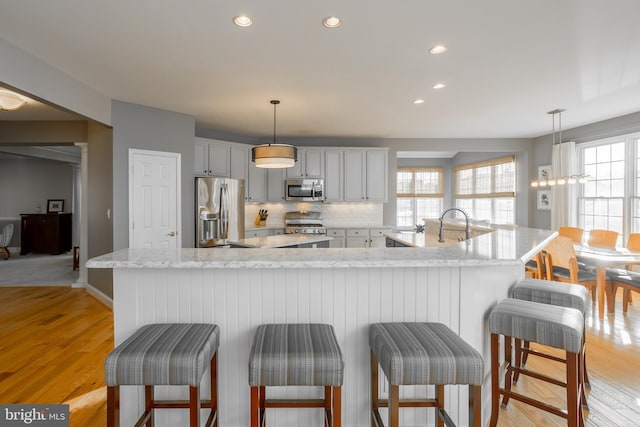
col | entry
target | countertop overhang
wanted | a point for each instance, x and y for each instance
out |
(500, 247)
(281, 241)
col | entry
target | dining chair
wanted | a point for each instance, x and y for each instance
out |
(628, 279)
(574, 233)
(535, 266)
(602, 238)
(562, 265)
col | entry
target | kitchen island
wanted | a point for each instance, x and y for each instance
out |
(239, 289)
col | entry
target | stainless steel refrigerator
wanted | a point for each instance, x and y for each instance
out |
(219, 211)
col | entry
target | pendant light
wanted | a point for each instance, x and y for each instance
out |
(550, 180)
(10, 101)
(274, 155)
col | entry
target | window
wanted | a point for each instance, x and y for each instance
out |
(419, 195)
(610, 199)
(487, 190)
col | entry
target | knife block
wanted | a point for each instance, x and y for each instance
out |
(260, 221)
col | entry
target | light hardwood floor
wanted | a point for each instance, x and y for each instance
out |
(53, 342)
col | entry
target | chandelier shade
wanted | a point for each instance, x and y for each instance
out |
(10, 101)
(274, 156)
(558, 177)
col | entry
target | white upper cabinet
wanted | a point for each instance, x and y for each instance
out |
(333, 167)
(257, 183)
(211, 157)
(275, 185)
(239, 162)
(365, 175)
(310, 164)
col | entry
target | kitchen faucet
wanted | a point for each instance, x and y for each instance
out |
(467, 234)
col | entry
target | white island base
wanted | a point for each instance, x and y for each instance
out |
(239, 289)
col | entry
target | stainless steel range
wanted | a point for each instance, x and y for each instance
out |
(304, 222)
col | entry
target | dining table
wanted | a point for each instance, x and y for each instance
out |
(601, 259)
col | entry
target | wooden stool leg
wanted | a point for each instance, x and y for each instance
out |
(148, 404)
(521, 357)
(495, 379)
(327, 406)
(573, 396)
(214, 388)
(255, 408)
(262, 397)
(508, 376)
(337, 406)
(194, 406)
(394, 405)
(113, 406)
(475, 406)
(439, 404)
(374, 389)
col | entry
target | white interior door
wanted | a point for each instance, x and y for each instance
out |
(154, 199)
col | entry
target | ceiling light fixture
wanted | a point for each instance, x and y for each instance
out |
(419, 101)
(242, 21)
(274, 155)
(550, 180)
(439, 86)
(332, 22)
(436, 50)
(10, 101)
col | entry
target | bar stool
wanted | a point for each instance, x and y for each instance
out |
(560, 294)
(165, 354)
(299, 354)
(554, 326)
(423, 354)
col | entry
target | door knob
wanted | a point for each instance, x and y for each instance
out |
(172, 234)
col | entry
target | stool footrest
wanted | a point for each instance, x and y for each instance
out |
(288, 403)
(545, 355)
(180, 404)
(524, 371)
(409, 403)
(536, 403)
(144, 418)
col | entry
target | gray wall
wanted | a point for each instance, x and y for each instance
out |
(541, 154)
(146, 128)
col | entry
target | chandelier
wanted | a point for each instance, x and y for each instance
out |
(550, 180)
(274, 155)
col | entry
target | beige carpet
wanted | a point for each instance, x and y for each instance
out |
(37, 270)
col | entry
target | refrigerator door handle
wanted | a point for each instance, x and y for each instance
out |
(224, 211)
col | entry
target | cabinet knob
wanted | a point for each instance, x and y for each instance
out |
(172, 234)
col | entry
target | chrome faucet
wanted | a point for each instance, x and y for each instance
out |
(467, 233)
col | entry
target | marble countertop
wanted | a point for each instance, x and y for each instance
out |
(281, 241)
(501, 247)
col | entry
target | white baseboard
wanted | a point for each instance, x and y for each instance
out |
(100, 296)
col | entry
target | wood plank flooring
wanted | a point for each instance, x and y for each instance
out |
(53, 341)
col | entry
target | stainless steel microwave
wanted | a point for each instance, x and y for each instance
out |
(304, 190)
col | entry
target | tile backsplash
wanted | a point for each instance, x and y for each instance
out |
(335, 214)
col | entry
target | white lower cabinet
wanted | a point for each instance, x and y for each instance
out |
(339, 237)
(366, 237)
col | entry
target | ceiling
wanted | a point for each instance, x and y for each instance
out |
(508, 62)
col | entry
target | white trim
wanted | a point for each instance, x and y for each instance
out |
(9, 218)
(100, 296)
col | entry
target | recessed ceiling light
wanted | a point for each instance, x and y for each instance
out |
(332, 22)
(242, 21)
(418, 101)
(438, 49)
(439, 85)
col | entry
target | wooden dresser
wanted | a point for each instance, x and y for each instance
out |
(45, 233)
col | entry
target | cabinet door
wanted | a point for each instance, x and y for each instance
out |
(354, 176)
(275, 185)
(314, 163)
(376, 175)
(219, 159)
(377, 242)
(256, 183)
(358, 242)
(297, 171)
(201, 157)
(333, 175)
(239, 162)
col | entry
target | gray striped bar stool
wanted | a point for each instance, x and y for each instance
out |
(423, 354)
(165, 354)
(296, 354)
(551, 325)
(554, 293)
